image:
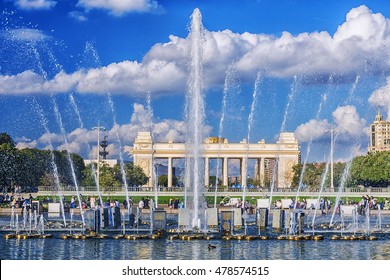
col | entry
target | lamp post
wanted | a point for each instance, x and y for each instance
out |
(98, 128)
(332, 130)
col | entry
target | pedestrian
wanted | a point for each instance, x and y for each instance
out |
(322, 206)
(146, 203)
(329, 205)
(13, 203)
(92, 202)
(176, 204)
(72, 202)
(141, 204)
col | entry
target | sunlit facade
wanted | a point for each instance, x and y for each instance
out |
(379, 134)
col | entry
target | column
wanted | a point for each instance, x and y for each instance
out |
(261, 164)
(206, 172)
(243, 172)
(225, 172)
(169, 172)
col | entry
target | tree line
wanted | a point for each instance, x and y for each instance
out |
(29, 168)
(370, 170)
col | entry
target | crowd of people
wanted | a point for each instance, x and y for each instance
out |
(326, 204)
(175, 203)
(370, 202)
(16, 201)
(91, 202)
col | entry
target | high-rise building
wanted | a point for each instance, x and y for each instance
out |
(379, 134)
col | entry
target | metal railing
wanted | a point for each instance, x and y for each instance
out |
(220, 189)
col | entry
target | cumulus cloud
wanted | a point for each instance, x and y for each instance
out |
(381, 97)
(23, 144)
(79, 139)
(346, 122)
(313, 129)
(120, 7)
(78, 16)
(35, 4)
(361, 42)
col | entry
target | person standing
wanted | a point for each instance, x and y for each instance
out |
(141, 204)
(92, 202)
(72, 202)
(176, 204)
(146, 203)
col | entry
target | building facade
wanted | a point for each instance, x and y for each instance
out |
(284, 153)
(379, 134)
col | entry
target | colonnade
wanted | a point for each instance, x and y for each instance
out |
(223, 170)
(285, 153)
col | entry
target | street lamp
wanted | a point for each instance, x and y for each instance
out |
(98, 128)
(332, 130)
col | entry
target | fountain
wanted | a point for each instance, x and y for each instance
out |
(250, 123)
(238, 226)
(81, 124)
(194, 180)
(226, 90)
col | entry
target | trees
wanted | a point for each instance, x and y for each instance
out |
(163, 180)
(33, 167)
(8, 158)
(313, 175)
(372, 170)
(112, 176)
(88, 176)
(107, 177)
(134, 174)
(6, 139)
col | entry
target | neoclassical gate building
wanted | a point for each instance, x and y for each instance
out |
(284, 154)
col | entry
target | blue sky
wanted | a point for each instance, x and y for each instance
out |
(328, 60)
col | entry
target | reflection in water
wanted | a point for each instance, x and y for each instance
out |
(91, 249)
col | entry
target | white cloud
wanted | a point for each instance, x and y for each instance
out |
(120, 7)
(35, 4)
(163, 130)
(23, 144)
(381, 97)
(348, 126)
(361, 42)
(78, 16)
(313, 129)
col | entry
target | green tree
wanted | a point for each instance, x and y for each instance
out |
(6, 139)
(134, 174)
(88, 176)
(8, 159)
(372, 170)
(107, 177)
(163, 180)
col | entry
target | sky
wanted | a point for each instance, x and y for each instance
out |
(67, 66)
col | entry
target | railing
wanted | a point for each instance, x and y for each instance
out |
(110, 189)
(220, 189)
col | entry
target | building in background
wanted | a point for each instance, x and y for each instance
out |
(379, 134)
